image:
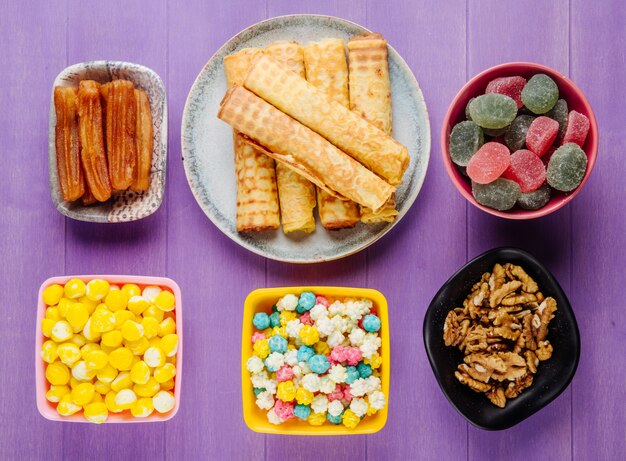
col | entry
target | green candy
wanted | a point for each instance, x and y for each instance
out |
(515, 137)
(535, 199)
(465, 139)
(493, 110)
(559, 113)
(540, 94)
(501, 194)
(494, 133)
(567, 167)
(467, 112)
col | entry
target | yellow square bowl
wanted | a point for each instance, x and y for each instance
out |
(262, 300)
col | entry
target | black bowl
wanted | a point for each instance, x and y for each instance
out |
(553, 375)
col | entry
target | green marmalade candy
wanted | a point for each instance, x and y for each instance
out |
(559, 113)
(500, 194)
(540, 94)
(467, 112)
(515, 137)
(535, 199)
(465, 139)
(493, 110)
(567, 167)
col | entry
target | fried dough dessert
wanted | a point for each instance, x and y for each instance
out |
(300, 148)
(257, 197)
(92, 153)
(327, 69)
(67, 143)
(121, 125)
(143, 133)
(370, 97)
(295, 192)
(299, 99)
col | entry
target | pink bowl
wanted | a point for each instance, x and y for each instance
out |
(48, 409)
(476, 86)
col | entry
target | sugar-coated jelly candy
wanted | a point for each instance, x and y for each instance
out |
(493, 110)
(515, 137)
(576, 129)
(527, 170)
(465, 139)
(541, 134)
(489, 162)
(567, 167)
(495, 132)
(467, 111)
(508, 86)
(500, 194)
(540, 94)
(559, 113)
(535, 199)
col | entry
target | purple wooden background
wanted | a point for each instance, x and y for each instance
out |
(444, 42)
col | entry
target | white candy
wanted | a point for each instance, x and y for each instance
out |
(273, 418)
(359, 387)
(319, 404)
(358, 406)
(340, 324)
(335, 339)
(254, 364)
(335, 408)
(337, 308)
(324, 326)
(287, 303)
(318, 311)
(293, 327)
(265, 400)
(357, 336)
(304, 367)
(370, 345)
(274, 361)
(259, 379)
(311, 382)
(338, 374)
(326, 385)
(377, 400)
(271, 385)
(291, 357)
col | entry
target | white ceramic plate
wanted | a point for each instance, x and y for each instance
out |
(208, 150)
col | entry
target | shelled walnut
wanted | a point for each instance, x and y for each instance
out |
(502, 329)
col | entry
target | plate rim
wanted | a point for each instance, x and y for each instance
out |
(410, 199)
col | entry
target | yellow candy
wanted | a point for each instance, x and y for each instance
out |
(96, 360)
(125, 399)
(49, 351)
(109, 401)
(132, 331)
(97, 397)
(87, 348)
(53, 313)
(63, 305)
(52, 294)
(155, 312)
(112, 338)
(169, 344)
(304, 396)
(61, 331)
(66, 407)
(96, 412)
(375, 361)
(286, 317)
(137, 304)
(309, 335)
(69, 353)
(261, 348)
(81, 372)
(89, 332)
(122, 316)
(370, 409)
(97, 289)
(322, 348)
(78, 340)
(77, 316)
(55, 393)
(116, 300)
(150, 293)
(163, 401)
(83, 394)
(150, 327)
(107, 374)
(286, 391)
(350, 420)
(102, 320)
(165, 301)
(89, 304)
(121, 381)
(171, 360)
(167, 327)
(167, 385)
(46, 327)
(142, 408)
(74, 382)
(317, 419)
(147, 390)
(101, 387)
(74, 289)
(164, 373)
(121, 358)
(138, 347)
(154, 342)
(140, 373)
(57, 374)
(131, 290)
(154, 357)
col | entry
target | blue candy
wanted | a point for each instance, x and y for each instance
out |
(261, 320)
(371, 323)
(365, 371)
(277, 344)
(353, 375)
(306, 302)
(319, 364)
(305, 353)
(334, 419)
(302, 411)
(275, 319)
(258, 390)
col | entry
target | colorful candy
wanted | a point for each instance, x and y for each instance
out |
(491, 160)
(540, 94)
(576, 129)
(493, 110)
(500, 194)
(465, 139)
(567, 167)
(541, 135)
(508, 86)
(515, 137)
(536, 199)
(527, 170)
(559, 113)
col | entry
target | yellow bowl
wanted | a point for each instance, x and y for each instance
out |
(262, 300)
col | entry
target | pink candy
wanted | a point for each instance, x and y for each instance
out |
(576, 129)
(322, 300)
(338, 354)
(257, 335)
(284, 373)
(283, 410)
(347, 395)
(541, 134)
(306, 318)
(508, 86)
(353, 356)
(350, 355)
(527, 170)
(489, 162)
(337, 394)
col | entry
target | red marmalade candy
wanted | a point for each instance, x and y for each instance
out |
(576, 129)
(527, 170)
(508, 86)
(489, 162)
(541, 134)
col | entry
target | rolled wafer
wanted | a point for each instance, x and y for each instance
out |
(295, 193)
(143, 140)
(327, 69)
(370, 97)
(303, 150)
(310, 106)
(257, 198)
(67, 143)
